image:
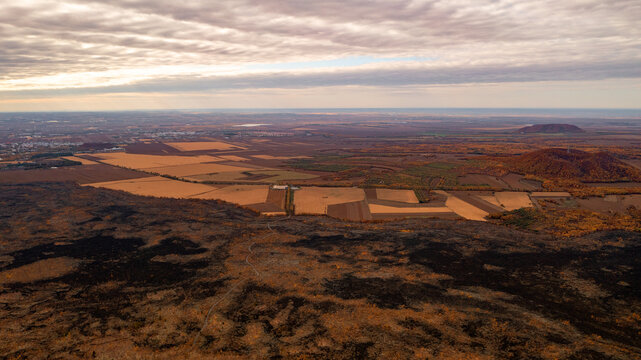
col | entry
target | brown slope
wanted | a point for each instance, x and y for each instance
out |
(574, 164)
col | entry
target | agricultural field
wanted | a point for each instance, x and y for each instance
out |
(226, 177)
(353, 211)
(80, 160)
(251, 175)
(196, 169)
(484, 200)
(156, 186)
(550, 194)
(386, 209)
(233, 158)
(610, 203)
(491, 199)
(271, 157)
(315, 200)
(463, 208)
(406, 196)
(82, 174)
(389, 179)
(512, 200)
(202, 168)
(237, 194)
(518, 182)
(203, 146)
(500, 200)
(483, 180)
(282, 175)
(142, 161)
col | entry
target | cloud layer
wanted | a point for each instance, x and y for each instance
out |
(49, 46)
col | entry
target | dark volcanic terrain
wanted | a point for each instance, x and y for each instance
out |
(92, 273)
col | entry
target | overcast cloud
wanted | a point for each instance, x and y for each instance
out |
(83, 47)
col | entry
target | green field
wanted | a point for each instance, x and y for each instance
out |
(326, 163)
(283, 175)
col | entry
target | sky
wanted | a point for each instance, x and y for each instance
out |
(166, 54)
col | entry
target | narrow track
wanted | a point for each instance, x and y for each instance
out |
(251, 252)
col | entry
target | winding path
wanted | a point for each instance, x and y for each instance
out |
(251, 252)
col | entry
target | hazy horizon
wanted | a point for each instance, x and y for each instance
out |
(630, 113)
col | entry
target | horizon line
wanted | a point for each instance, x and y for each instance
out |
(328, 108)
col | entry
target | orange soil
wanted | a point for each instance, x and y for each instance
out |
(512, 200)
(384, 209)
(314, 200)
(156, 186)
(238, 194)
(407, 196)
(142, 161)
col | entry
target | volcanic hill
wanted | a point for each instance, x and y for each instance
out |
(574, 164)
(550, 129)
(91, 273)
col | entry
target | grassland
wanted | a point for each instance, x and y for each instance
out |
(482, 180)
(550, 194)
(325, 163)
(418, 176)
(272, 157)
(283, 175)
(435, 173)
(250, 175)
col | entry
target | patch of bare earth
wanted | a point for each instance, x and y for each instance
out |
(39, 270)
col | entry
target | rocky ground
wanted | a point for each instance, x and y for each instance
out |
(89, 273)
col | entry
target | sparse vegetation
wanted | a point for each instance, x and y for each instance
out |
(568, 221)
(524, 218)
(311, 287)
(41, 164)
(318, 165)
